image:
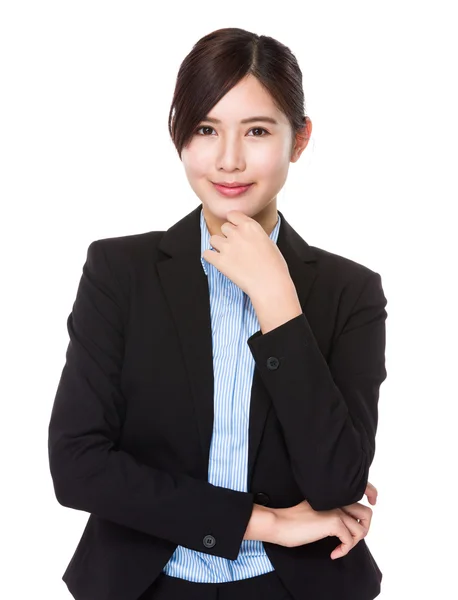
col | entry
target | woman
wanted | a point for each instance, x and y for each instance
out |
(217, 410)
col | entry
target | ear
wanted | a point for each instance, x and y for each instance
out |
(301, 139)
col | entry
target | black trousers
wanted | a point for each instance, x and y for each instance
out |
(262, 587)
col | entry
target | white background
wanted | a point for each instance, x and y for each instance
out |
(85, 154)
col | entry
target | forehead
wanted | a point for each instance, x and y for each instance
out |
(248, 98)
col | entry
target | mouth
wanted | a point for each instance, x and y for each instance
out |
(232, 190)
(231, 185)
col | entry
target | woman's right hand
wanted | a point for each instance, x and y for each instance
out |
(300, 524)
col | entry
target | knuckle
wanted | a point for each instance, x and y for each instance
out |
(337, 521)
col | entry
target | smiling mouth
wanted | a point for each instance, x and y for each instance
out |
(232, 192)
(232, 185)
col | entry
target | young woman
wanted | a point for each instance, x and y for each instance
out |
(217, 410)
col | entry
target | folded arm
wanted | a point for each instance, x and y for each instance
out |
(328, 411)
(89, 470)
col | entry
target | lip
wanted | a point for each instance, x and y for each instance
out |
(231, 185)
(232, 190)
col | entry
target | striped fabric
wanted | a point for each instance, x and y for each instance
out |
(233, 321)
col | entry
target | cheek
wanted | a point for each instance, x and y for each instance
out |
(269, 164)
(197, 163)
(194, 169)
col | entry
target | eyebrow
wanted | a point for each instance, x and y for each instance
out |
(249, 120)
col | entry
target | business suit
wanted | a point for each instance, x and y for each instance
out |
(140, 356)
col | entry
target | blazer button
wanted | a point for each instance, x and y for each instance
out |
(272, 363)
(209, 541)
(261, 498)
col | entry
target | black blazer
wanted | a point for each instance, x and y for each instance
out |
(132, 419)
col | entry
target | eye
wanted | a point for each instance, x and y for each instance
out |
(259, 129)
(252, 129)
(203, 127)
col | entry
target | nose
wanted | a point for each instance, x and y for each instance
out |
(230, 155)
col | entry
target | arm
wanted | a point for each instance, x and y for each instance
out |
(88, 469)
(328, 412)
(262, 524)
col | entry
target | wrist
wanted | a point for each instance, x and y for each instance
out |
(274, 290)
(262, 524)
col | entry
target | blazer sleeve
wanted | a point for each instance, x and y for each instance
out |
(89, 470)
(328, 411)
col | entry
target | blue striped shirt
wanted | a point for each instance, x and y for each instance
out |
(233, 321)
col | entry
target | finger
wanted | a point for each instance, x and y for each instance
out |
(356, 533)
(369, 485)
(361, 512)
(358, 530)
(228, 228)
(371, 493)
(341, 531)
(211, 257)
(217, 241)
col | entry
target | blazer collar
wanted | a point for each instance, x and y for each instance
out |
(185, 288)
(184, 238)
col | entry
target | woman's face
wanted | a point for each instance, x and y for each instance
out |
(257, 152)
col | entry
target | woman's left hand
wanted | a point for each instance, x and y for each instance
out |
(247, 255)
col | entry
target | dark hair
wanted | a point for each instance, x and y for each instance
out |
(217, 62)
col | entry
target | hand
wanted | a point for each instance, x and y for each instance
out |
(300, 524)
(355, 511)
(246, 255)
(371, 493)
(350, 534)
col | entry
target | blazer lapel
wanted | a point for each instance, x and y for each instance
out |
(185, 287)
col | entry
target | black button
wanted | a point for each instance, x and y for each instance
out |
(273, 363)
(209, 541)
(261, 498)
